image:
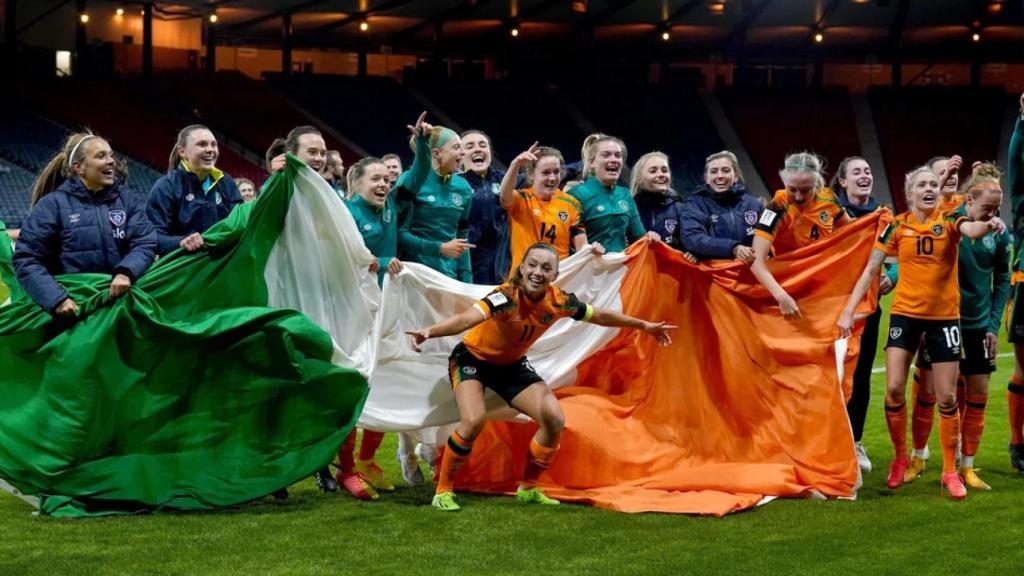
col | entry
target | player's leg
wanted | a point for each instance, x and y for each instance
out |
(904, 334)
(540, 404)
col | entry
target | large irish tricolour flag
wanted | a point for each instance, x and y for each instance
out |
(226, 375)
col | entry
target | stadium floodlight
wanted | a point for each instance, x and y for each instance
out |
(83, 18)
(213, 18)
(994, 7)
(666, 35)
(819, 37)
(976, 37)
(579, 6)
(364, 25)
(119, 11)
(716, 7)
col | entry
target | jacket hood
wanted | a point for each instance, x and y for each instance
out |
(859, 211)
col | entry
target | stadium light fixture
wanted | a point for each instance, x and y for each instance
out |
(976, 37)
(716, 7)
(514, 32)
(666, 36)
(213, 18)
(119, 12)
(994, 7)
(819, 37)
(364, 25)
(579, 6)
(83, 18)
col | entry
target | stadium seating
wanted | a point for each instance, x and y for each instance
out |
(15, 184)
(773, 122)
(248, 110)
(915, 124)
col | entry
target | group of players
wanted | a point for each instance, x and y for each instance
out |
(949, 264)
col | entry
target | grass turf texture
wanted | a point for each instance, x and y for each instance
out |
(911, 530)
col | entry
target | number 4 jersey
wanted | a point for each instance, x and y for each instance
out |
(515, 321)
(927, 253)
(789, 226)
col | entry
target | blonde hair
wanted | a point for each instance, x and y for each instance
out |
(357, 171)
(728, 156)
(804, 163)
(985, 173)
(641, 163)
(58, 169)
(590, 152)
(588, 143)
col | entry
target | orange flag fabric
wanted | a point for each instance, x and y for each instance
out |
(742, 406)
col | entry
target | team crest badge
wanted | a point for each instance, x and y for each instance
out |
(671, 225)
(623, 204)
(190, 197)
(387, 216)
(563, 216)
(823, 216)
(456, 199)
(750, 217)
(989, 242)
(469, 370)
(937, 229)
(895, 333)
(495, 188)
(547, 319)
(217, 198)
(117, 218)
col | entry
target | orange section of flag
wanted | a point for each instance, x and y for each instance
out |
(743, 405)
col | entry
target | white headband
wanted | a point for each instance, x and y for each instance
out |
(71, 158)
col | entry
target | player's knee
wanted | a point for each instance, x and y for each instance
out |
(946, 401)
(553, 421)
(895, 397)
(473, 425)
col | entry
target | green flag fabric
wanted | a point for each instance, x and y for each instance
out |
(220, 377)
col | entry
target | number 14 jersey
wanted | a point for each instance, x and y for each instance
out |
(927, 252)
(532, 220)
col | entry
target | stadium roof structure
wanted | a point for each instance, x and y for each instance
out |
(987, 29)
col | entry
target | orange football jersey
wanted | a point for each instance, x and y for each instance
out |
(927, 253)
(532, 220)
(514, 321)
(789, 226)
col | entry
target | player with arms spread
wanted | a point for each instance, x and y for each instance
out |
(504, 325)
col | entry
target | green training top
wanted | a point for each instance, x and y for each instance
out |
(984, 279)
(609, 214)
(379, 227)
(1015, 181)
(432, 211)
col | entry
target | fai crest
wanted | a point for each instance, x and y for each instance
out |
(989, 242)
(937, 229)
(895, 333)
(387, 216)
(563, 216)
(750, 217)
(623, 204)
(671, 225)
(456, 199)
(547, 319)
(117, 218)
(823, 216)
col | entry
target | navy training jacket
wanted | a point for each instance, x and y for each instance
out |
(715, 223)
(178, 206)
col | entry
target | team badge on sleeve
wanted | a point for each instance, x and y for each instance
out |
(750, 217)
(623, 204)
(989, 242)
(117, 218)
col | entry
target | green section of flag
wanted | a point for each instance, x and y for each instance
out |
(187, 393)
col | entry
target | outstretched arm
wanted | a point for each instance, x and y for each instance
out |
(978, 229)
(508, 183)
(455, 325)
(606, 317)
(869, 275)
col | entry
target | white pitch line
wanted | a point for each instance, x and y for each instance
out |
(880, 369)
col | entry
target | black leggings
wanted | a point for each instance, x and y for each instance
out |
(857, 407)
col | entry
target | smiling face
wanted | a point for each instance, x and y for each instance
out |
(478, 153)
(200, 151)
(607, 164)
(312, 150)
(394, 166)
(538, 269)
(547, 174)
(858, 180)
(97, 167)
(655, 176)
(448, 158)
(373, 185)
(247, 191)
(986, 205)
(800, 186)
(923, 192)
(720, 175)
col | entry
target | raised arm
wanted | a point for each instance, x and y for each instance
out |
(413, 178)
(978, 229)
(869, 275)
(508, 183)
